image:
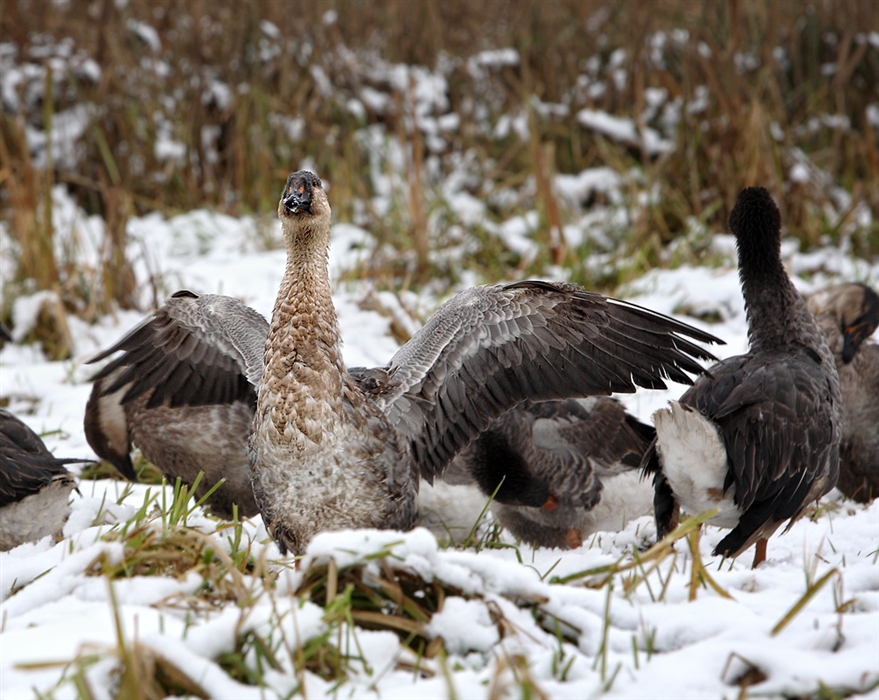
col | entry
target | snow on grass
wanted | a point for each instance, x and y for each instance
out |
(392, 615)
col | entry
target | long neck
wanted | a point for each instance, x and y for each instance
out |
(303, 375)
(304, 318)
(777, 315)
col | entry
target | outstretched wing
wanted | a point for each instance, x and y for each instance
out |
(490, 348)
(194, 350)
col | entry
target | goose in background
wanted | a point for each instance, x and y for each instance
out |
(331, 451)
(757, 436)
(184, 392)
(848, 314)
(35, 486)
(560, 470)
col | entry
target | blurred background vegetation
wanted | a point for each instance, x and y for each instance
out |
(169, 105)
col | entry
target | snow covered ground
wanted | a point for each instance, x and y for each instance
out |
(519, 622)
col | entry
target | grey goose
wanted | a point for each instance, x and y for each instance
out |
(559, 470)
(757, 436)
(35, 485)
(329, 450)
(848, 314)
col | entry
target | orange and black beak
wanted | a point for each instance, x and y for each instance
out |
(853, 335)
(298, 192)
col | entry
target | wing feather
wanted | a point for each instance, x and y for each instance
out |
(490, 348)
(194, 350)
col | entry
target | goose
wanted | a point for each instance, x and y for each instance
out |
(329, 449)
(184, 393)
(560, 470)
(34, 485)
(757, 436)
(848, 314)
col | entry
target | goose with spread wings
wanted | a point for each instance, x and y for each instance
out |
(757, 436)
(330, 451)
(35, 485)
(848, 315)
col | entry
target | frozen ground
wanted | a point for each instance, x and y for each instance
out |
(511, 625)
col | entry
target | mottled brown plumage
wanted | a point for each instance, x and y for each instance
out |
(330, 451)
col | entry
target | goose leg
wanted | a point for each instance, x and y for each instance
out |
(759, 552)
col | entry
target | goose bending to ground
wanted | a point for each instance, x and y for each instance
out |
(184, 393)
(331, 451)
(757, 436)
(848, 314)
(34, 485)
(560, 470)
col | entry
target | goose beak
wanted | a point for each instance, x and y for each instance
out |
(298, 200)
(853, 336)
(299, 192)
(551, 503)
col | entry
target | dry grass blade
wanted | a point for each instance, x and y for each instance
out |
(698, 571)
(803, 601)
(656, 554)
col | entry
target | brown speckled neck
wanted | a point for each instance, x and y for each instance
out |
(303, 361)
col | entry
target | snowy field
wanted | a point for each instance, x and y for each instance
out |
(514, 621)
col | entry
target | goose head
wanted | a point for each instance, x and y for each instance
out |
(304, 210)
(854, 308)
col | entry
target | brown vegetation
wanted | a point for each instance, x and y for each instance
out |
(252, 89)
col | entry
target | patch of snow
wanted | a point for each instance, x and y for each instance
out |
(624, 131)
(147, 34)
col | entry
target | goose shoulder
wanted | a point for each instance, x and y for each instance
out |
(599, 427)
(490, 348)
